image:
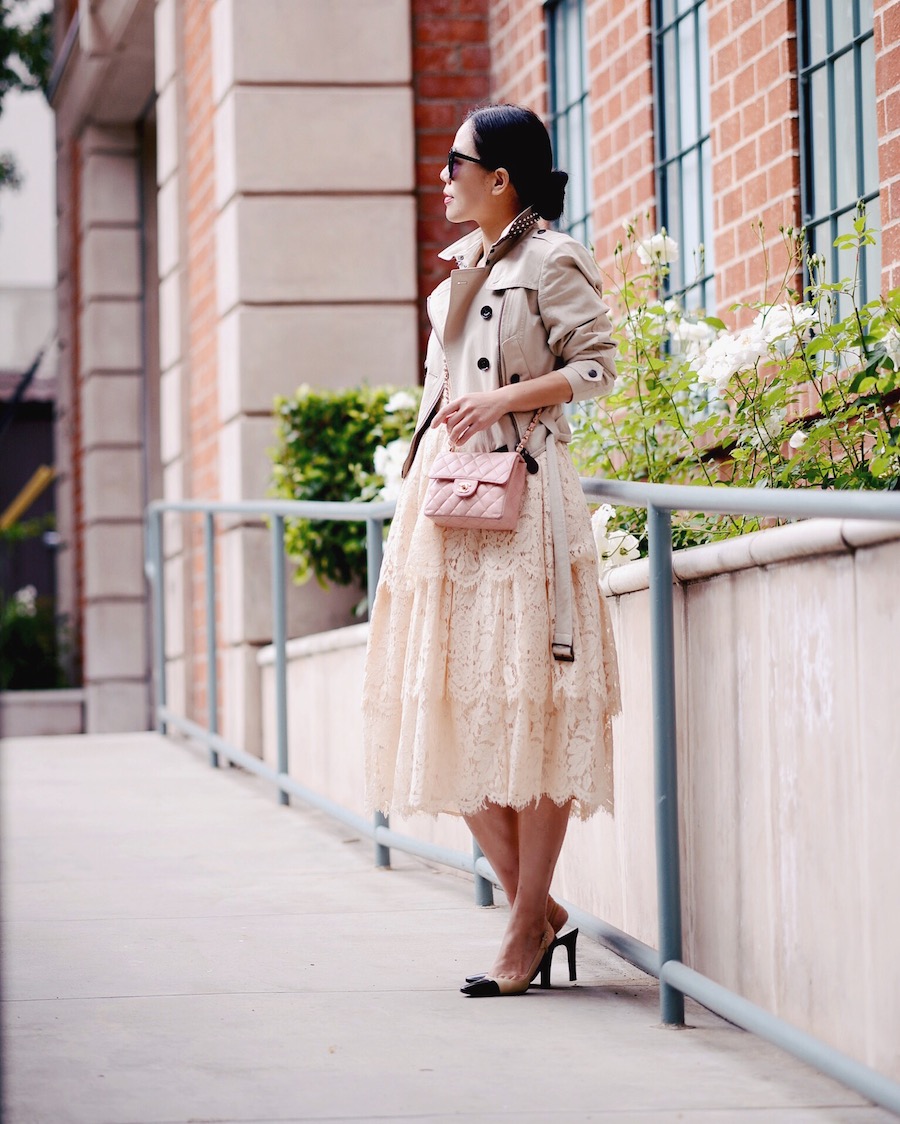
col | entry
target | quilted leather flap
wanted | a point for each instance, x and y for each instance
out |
(488, 468)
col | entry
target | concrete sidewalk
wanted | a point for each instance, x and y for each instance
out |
(179, 948)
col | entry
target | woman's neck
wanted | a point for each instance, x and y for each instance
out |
(492, 228)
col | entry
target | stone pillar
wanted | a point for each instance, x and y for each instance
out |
(109, 390)
(315, 261)
(171, 260)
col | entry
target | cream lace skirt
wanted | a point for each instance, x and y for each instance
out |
(463, 701)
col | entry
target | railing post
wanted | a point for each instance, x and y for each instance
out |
(382, 853)
(662, 655)
(374, 555)
(484, 890)
(158, 595)
(212, 669)
(279, 641)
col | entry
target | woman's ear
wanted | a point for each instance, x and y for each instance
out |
(500, 181)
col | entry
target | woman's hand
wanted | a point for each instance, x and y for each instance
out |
(470, 414)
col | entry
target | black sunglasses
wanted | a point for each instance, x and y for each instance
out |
(452, 158)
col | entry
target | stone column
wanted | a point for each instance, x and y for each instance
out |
(315, 259)
(109, 387)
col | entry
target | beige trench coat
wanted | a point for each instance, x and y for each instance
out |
(540, 310)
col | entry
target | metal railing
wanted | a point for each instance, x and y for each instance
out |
(677, 980)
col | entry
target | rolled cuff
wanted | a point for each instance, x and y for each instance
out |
(589, 378)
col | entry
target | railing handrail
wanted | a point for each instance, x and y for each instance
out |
(724, 499)
(676, 979)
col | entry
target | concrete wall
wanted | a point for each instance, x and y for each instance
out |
(788, 772)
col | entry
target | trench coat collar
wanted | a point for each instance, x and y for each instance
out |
(465, 250)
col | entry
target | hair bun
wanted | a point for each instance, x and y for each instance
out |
(549, 200)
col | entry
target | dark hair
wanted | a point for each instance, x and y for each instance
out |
(515, 138)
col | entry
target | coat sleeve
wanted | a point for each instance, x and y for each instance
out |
(579, 331)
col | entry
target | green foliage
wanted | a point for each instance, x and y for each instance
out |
(26, 59)
(29, 648)
(327, 443)
(800, 397)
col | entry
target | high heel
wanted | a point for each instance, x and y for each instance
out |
(512, 985)
(567, 942)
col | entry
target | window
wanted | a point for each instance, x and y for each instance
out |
(567, 82)
(683, 160)
(839, 142)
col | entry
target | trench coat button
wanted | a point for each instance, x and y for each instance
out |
(483, 363)
(513, 378)
(592, 374)
(487, 312)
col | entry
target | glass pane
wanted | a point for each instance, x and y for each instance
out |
(574, 46)
(819, 242)
(576, 169)
(670, 212)
(844, 134)
(690, 185)
(869, 138)
(559, 60)
(845, 261)
(841, 22)
(703, 44)
(667, 12)
(872, 254)
(684, 5)
(707, 218)
(687, 61)
(819, 187)
(866, 16)
(669, 78)
(814, 11)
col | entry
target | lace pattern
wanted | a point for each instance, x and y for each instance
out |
(462, 700)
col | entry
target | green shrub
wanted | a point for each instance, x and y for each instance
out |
(29, 648)
(328, 441)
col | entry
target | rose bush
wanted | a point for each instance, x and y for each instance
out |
(799, 396)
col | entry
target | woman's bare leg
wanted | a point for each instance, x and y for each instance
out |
(496, 830)
(541, 829)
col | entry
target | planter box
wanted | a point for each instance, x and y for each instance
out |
(27, 714)
(788, 771)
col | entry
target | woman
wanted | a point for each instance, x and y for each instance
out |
(490, 676)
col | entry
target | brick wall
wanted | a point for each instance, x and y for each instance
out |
(203, 420)
(518, 54)
(451, 64)
(887, 92)
(754, 139)
(620, 100)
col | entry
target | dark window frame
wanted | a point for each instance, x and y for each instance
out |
(831, 217)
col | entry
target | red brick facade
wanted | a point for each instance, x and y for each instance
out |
(754, 132)
(887, 92)
(754, 138)
(620, 81)
(451, 67)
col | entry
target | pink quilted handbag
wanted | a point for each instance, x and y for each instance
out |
(476, 490)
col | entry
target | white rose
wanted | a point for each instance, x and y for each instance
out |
(891, 344)
(26, 599)
(658, 248)
(401, 400)
(389, 461)
(798, 439)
